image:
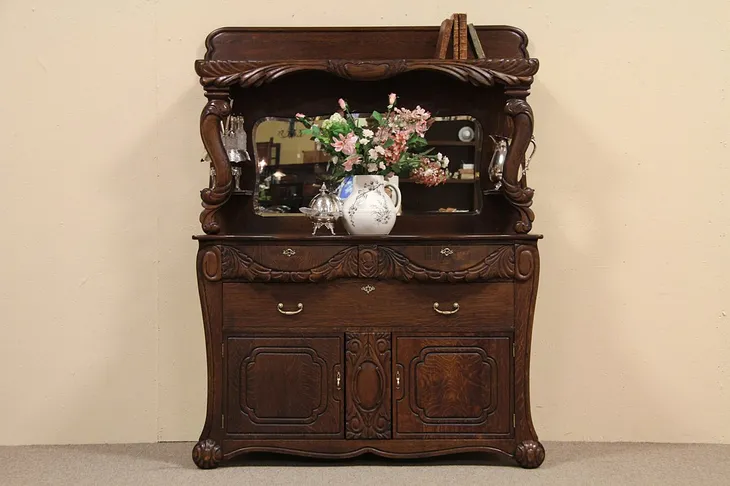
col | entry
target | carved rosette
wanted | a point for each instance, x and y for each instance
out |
(515, 190)
(479, 72)
(217, 109)
(529, 454)
(207, 454)
(368, 413)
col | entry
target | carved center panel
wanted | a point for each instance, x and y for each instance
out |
(368, 386)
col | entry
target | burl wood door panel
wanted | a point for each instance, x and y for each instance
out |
(285, 386)
(368, 385)
(453, 386)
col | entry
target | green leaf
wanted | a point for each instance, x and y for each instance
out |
(388, 143)
(378, 117)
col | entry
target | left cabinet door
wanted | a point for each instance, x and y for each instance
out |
(285, 386)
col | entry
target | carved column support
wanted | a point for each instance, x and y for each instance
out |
(215, 111)
(514, 189)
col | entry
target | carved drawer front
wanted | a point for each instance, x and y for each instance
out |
(350, 302)
(452, 386)
(448, 257)
(258, 262)
(284, 386)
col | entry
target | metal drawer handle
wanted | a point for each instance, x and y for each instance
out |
(280, 308)
(289, 252)
(447, 251)
(446, 312)
(397, 380)
(338, 380)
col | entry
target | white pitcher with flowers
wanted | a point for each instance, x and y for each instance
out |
(372, 149)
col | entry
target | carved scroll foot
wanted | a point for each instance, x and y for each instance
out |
(207, 454)
(529, 454)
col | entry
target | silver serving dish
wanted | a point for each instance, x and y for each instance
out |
(323, 210)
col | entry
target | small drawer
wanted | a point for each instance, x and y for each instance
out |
(354, 302)
(290, 258)
(448, 257)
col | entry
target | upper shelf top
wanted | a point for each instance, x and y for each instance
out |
(250, 57)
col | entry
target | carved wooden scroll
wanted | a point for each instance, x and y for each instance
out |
(515, 190)
(217, 109)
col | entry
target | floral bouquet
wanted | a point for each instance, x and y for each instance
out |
(387, 144)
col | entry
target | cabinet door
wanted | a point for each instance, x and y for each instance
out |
(285, 386)
(453, 386)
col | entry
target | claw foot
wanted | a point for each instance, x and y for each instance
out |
(207, 454)
(529, 454)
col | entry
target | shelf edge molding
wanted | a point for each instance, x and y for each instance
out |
(478, 72)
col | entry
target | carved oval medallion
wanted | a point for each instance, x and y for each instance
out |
(368, 386)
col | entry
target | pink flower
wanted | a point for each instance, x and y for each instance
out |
(391, 99)
(342, 103)
(350, 161)
(300, 115)
(345, 144)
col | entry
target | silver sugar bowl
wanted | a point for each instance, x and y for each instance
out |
(324, 209)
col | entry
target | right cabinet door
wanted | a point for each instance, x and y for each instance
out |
(453, 386)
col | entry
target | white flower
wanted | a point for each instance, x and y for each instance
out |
(367, 133)
(428, 172)
(381, 165)
(372, 167)
(439, 156)
(379, 149)
(373, 154)
(364, 141)
(445, 162)
(336, 117)
(334, 159)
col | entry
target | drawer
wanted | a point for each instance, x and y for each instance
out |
(448, 257)
(355, 302)
(292, 257)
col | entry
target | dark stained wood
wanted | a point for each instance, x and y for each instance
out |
(415, 344)
(284, 386)
(454, 386)
(356, 303)
(368, 384)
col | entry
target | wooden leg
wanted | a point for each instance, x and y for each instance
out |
(529, 454)
(207, 454)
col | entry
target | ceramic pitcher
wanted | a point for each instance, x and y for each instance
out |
(369, 210)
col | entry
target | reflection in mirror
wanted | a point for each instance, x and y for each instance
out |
(291, 168)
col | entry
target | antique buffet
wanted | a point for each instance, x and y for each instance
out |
(409, 344)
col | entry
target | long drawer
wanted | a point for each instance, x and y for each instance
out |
(350, 302)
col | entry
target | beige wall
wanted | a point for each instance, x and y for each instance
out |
(101, 329)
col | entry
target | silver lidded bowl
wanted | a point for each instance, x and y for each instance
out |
(323, 210)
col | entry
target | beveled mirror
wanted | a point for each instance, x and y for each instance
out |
(291, 168)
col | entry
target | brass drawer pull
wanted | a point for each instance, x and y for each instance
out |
(446, 312)
(289, 252)
(397, 380)
(447, 251)
(338, 380)
(280, 308)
